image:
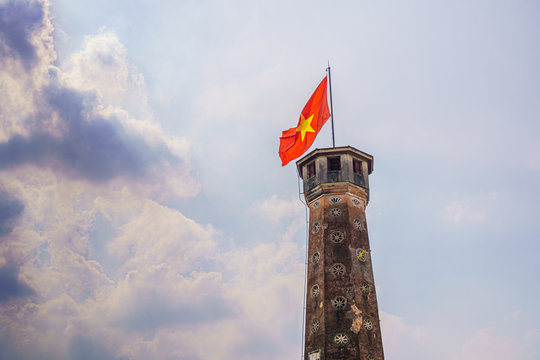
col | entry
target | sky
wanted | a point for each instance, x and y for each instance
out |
(145, 214)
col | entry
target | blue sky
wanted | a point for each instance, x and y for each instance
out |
(144, 212)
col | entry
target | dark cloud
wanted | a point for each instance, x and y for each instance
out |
(85, 348)
(91, 147)
(260, 345)
(8, 350)
(10, 210)
(80, 348)
(156, 311)
(10, 286)
(18, 20)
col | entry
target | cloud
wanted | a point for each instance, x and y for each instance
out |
(488, 344)
(74, 298)
(26, 55)
(458, 212)
(88, 119)
(84, 348)
(151, 302)
(508, 339)
(470, 211)
(400, 338)
(10, 209)
(90, 149)
(10, 285)
(172, 292)
(275, 209)
(102, 67)
(82, 159)
(18, 21)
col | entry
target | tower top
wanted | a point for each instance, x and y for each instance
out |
(323, 170)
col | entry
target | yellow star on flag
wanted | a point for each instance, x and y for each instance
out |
(305, 125)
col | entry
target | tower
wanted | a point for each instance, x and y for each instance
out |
(342, 317)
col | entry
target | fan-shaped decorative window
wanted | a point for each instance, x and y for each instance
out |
(316, 204)
(338, 270)
(335, 212)
(315, 325)
(339, 302)
(341, 339)
(358, 224)
(370, 357)
(364, 287)
(368, 323)
(356, 202)
(316, 257)
(315, 227)
(335, 199)
(337, 237)
(315, 290)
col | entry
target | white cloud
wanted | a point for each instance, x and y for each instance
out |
(486, 344)
(473, 210)
(400, 339)
(507, 339)
(162, 299)
(157, 235)
(405, 341)
(103, 67)
(275, 209)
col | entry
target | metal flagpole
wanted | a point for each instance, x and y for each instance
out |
(331, 106)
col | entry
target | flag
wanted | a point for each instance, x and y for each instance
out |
(295, 141)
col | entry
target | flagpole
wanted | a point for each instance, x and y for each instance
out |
(331, 106)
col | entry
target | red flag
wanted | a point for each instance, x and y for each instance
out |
(295, 141)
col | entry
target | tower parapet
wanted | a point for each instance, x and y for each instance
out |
(342, 317)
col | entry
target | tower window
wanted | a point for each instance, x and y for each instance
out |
(335, 199)
(337, 237)
(315, 258)
(341, 339)
(334, 164)
(358, 224)
(315, 290)
(316, 227)
(338, 270)
(339, 302)
(335, 212)
(315, 325)
(311, 170)
(357, 167)
(368, 323)
(364, 287)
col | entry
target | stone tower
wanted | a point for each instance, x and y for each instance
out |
(342, 317)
